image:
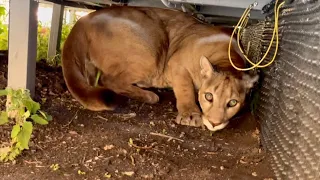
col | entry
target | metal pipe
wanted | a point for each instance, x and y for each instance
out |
(168, 4)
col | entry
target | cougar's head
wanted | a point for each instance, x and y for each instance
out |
(221, 95)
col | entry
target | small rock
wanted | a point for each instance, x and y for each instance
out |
(73, 132)
(222, 168)
(152, 123)
(148, 176)
(254, 174)
(182, 134)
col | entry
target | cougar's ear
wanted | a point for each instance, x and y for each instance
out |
(248, 81)
(207, 70)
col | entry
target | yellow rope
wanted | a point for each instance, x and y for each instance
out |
(243, 20)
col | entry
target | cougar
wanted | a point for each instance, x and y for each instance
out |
(136, 48)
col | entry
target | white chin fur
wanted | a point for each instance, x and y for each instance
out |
(215, 128)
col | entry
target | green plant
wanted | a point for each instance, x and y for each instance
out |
(42, 41)
(22, 110)
(65, 31)
(43, 37)
(3, 30)
(4, 37)
(56, 60)
(2, 15)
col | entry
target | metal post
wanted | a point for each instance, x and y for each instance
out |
(55, 30)
(22, 44)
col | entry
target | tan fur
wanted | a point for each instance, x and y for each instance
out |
(152, 47)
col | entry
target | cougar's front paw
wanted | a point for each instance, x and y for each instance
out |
(151, 98)
(189, 119)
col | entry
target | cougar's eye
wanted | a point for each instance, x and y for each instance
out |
(232, 103)
(209, 97)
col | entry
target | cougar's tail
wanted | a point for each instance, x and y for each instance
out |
(74, 55)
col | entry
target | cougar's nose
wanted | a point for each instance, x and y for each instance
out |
(215, 121)
(216, 124)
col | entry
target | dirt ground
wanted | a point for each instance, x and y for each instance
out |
(95, 145)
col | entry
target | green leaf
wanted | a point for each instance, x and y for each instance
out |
(25, 135)
(39, 120)
(21, 112)
(9, 91)
(49, 117)
(32, 106)
(2, 11)
(15, 130)
(3, 92)
(45, 115)
(26, 114)
(3, 118)
(19, 146)
(16, 151)
(12, 155)
(4, 153)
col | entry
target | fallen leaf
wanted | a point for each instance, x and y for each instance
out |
(128, 173)
(108, 147)
(107, 175)
(73, 132)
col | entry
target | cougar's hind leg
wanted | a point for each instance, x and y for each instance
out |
(137, 93)
(140, 94)
(120, 86)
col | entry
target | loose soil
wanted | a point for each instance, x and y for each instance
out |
(94, 145)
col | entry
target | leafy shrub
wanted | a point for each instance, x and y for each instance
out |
(22, 110)
(3, 30)
(42, 39)
(4, 37)
(56, 60)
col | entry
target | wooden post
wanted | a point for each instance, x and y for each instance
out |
(55, 30)
(23, 23)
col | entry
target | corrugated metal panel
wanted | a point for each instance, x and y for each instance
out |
(289, 104)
